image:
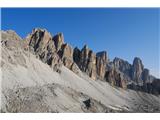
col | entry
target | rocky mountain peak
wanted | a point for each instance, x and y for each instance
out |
(102, 55)
(122, 65)
(58, 40)
(67, 51)
(137, 62)
(137, 69)
(39, 39)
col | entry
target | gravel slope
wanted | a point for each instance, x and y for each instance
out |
(29, 85)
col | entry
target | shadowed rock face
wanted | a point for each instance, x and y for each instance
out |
(122, 65)
(156, 86)
(102, 60)
(115, 78)
(145, 75)
(137, 69)
(76, 55)
(93, 64)
(88, 62)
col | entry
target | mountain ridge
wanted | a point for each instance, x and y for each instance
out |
(54, 51)
(41, 75)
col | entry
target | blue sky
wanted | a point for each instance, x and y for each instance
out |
(123, 33)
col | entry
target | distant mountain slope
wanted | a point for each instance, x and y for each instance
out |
(31, 84)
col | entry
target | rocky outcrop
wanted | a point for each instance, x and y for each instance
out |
(40, 40)
(156, 86)
(145, 75)
(10, 39)
(101, 62)
(77, 55)
(91, 67)
(41, 44)
(88, 62)
(122, 65)
(67, 58)
(51, 50)
(67, 51)
(137, 69)
(115, 78)
(58, 41)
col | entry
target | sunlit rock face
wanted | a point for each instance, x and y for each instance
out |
(58, 41)
(41, 44)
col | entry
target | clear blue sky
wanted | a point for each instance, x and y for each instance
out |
(123, 33)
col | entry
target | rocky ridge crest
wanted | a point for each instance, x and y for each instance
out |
(53, 51)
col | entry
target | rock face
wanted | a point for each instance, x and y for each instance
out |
(51, 50)
(10, 39)
(40, 40)
(58, 40)
(93, 64)
(88, 62)
(102, 60)
(122, 65)
(145, 75)
(115, 78)
(137, 69)
(76, 55)
(156, 86)
(42, 45)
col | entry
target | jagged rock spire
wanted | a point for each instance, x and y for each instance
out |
(137, 69)
(58, 40)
